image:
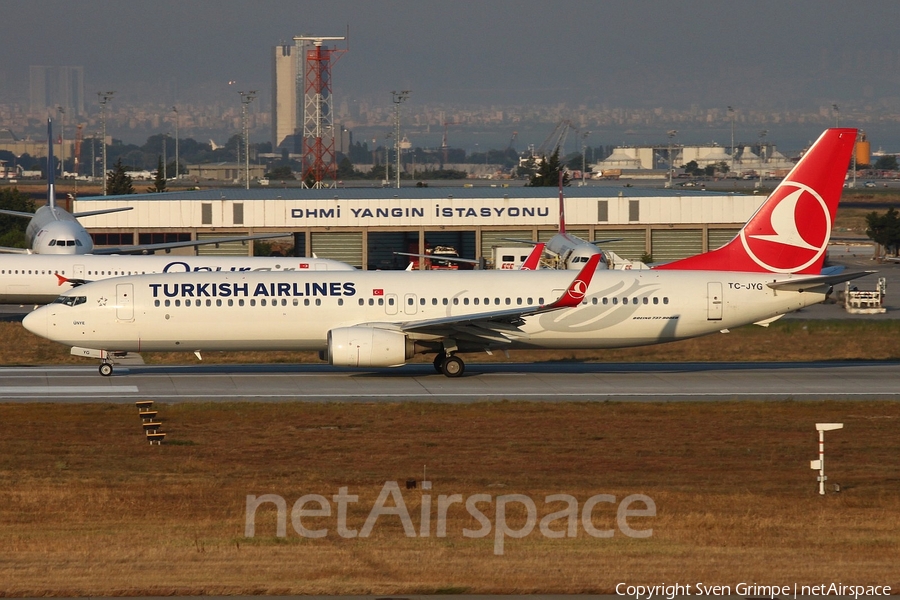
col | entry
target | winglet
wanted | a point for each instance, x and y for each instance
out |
(534, 259)
(576, 291)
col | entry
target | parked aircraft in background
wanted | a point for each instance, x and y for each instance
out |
(39, 279)
(572, 252)
(384, 318)
(53, 230)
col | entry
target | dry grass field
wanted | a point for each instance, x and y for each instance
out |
(87, 507)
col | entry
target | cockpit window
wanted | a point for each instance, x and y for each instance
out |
(71, 300)
(52, 243)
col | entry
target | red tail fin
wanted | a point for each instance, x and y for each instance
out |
(790, 231)
(533, 262)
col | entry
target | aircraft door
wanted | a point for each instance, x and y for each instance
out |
(409, 304)
(78, 272)
(124, 302)
(714, 300)
(390, 304)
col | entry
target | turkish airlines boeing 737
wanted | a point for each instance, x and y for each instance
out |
(382, 319)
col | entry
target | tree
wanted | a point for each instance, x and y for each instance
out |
(12, 229)
(549, 171)
(281, 173)
(118, 182)
(884, 229)
(159, 180)
(888, 162)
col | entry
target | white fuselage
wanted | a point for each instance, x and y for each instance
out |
(296, 311)
(32, 279)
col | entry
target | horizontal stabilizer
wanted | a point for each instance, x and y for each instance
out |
(806, 283)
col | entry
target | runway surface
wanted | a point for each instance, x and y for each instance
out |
(538, 382)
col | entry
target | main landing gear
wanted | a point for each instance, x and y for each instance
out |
(451, 366)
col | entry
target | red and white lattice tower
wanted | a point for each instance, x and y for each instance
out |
(319, 167)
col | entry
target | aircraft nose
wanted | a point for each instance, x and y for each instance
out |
(36, 322)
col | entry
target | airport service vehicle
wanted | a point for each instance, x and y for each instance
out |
(53, 230)
(382, 319)
(41, 278)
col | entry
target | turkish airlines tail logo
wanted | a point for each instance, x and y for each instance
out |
(790, 231)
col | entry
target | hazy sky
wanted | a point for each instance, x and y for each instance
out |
(620, 53)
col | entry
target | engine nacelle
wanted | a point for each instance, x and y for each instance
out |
(368, 347)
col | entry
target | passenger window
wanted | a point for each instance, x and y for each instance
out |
(446, 301)
(318, 302)
(261, 302)
(594, 301)
(156, 302)
(381, 302)
(456, 302)
(178, 303)
(540, 301)
(390, 301)
(665, 300)
(519, 301)
(655, 300)
(434, 301)
(475, 301)
(371, 301)
(340, 301)
(615, 300)
(422, 301)
(362, 302)
(296, 302)
(606, 301)
(168, 302)
(306, 302)
(252, 301)
(230, 302)
(241, 302)
(410, 301)
(208, 302)
(530, 302)
(218, 302)
(466, 301)
(646, 300)
(497, 301)
(508, 302)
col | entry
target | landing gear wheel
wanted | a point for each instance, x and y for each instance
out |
(453, 366)
(106, 369)
(439, 362)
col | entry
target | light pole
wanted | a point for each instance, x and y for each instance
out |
(837, 114)
(164, 140)
(177, 164)
(398, 98)
(762, 154)
(246, 99)
(105, 98)
(583, 153)
(671, 133)
(731, 112)
(62, 142)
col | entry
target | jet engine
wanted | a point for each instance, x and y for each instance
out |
(368, 347)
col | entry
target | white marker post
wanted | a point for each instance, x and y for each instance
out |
(820, 464)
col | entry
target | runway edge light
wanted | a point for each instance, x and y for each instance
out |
(820, 463)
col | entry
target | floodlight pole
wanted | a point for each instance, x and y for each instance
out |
(398, 98)
(820, 464)
(246, 99)
(177, 168)
(105, 98)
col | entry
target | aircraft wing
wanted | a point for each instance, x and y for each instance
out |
(150, 248)
(7, 250)
(16, 213)
(103, 211)
(440, 257)
(500, 326)
(805, 283)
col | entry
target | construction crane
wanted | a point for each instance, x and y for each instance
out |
(512, 141)
(555, 140)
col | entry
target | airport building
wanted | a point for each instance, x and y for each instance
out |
(365, 226)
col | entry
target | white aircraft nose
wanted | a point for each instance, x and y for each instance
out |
(36, 322)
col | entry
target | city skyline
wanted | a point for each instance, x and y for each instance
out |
(778, 64)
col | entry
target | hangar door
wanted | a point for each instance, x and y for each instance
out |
(672, 244)
(632, 245)
(343, 246)
(716, 238)
(227, 249)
